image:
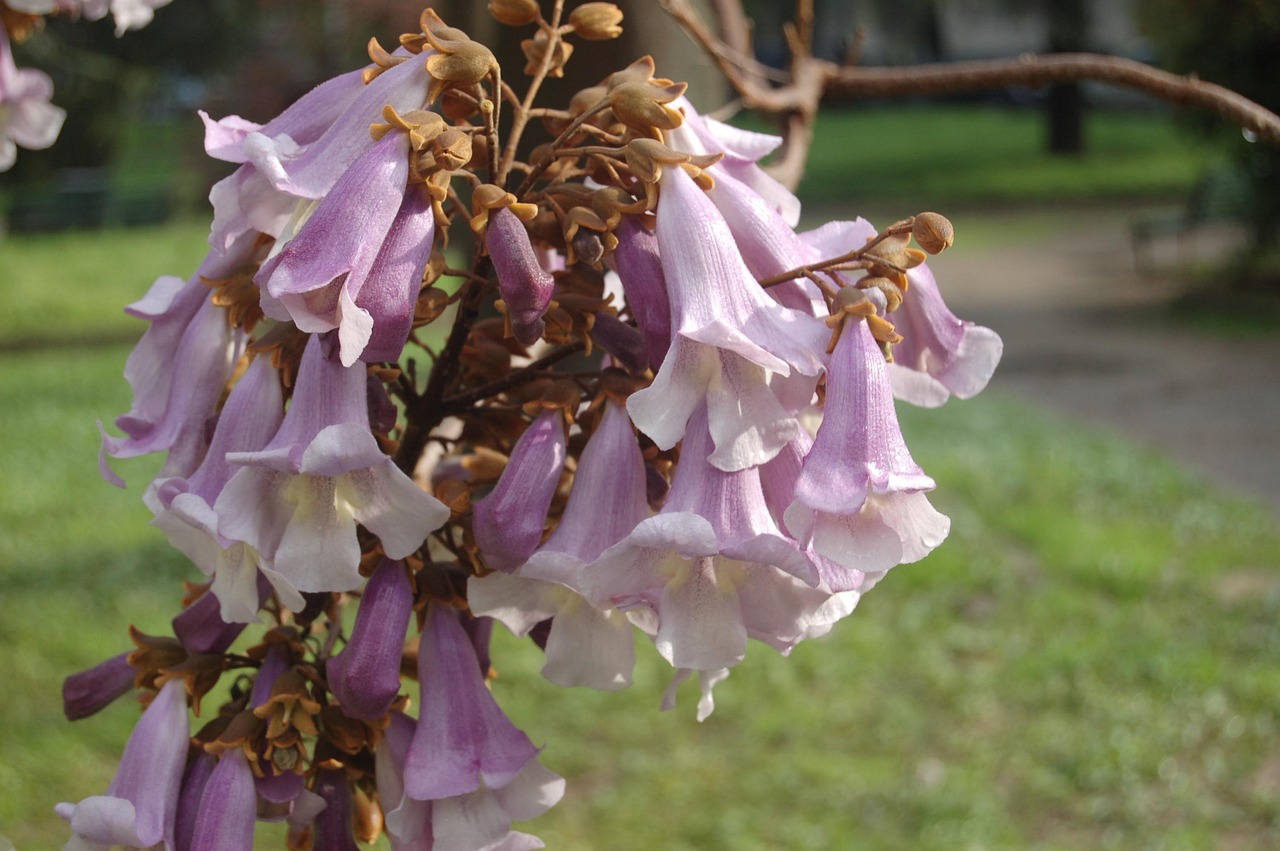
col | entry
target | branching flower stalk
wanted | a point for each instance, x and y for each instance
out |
(647, 403)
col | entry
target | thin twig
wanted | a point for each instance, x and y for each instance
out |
(521, 116)
(813, 80)
(527, 373)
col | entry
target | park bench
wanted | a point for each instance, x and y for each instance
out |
(1221, 195)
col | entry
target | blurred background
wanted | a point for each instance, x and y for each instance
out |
(1089, 661)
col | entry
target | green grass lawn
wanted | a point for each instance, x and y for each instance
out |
(937, 157)
(1088, 662)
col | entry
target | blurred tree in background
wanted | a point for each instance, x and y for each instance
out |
(1236, 44)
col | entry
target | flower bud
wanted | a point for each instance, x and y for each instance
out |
(83, 694)
(514, 13)
(365, 676)
(933, 232)
(535, 48)
(596, 21)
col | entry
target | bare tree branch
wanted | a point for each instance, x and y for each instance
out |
(812, 80)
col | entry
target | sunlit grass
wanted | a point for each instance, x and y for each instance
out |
(1087, 662)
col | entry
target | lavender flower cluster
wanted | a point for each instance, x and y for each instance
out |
(652, 406)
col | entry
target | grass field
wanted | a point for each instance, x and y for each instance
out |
(936, 157)
(1088, 662)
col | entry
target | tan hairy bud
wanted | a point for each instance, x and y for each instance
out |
(596, 21)
(514, 13)
(536, 48)
(933, 232)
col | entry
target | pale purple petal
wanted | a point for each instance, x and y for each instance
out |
(390, 292)
(701, 620)
(859, 448)
(365, 676)
(465, 741)
(228, 806)
(947, 355)
(714, 297)
(335, 249)
(141, 803)
(508, 521)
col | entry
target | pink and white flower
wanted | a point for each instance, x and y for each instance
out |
(26, 116)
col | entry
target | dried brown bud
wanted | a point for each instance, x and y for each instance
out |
(642, 106)
(514, 13)
(596, 21)
(933, 232)
(536, 48)
(452, 149)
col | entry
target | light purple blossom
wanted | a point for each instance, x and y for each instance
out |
(140, 806)
(463, 742)
(508, 521)
(587, 645)
(295, 159)
(26, 116)
(228, 806)
(296, 502)
(178, 369)
(713, 564)
(479, 820)
(730, 337)
(184, 506)
(356, 264)
(859, 500)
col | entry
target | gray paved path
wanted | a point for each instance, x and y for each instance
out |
(1085, 335)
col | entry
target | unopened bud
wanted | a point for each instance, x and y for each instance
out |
(536, 48)
(514, 13)
(596, 21)
(933, 232)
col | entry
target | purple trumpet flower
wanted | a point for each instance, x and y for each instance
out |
(476, 820)
(357, 262)
(939, 355)
(184, 507)
(730, 338)
(199, 769)
(859, 500)
(26, 116)
(587, 645)
(296, 502)
(140, 806)
(299, 155)
(365, 676)
(178, 369)
(464, 741)
(525, 286)
(228, 807)
(508, 521)
(89, 691)
(712, 564)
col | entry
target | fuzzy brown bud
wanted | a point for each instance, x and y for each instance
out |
(933, 232)
(596, 21)
(536, 48)
(514, 13)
